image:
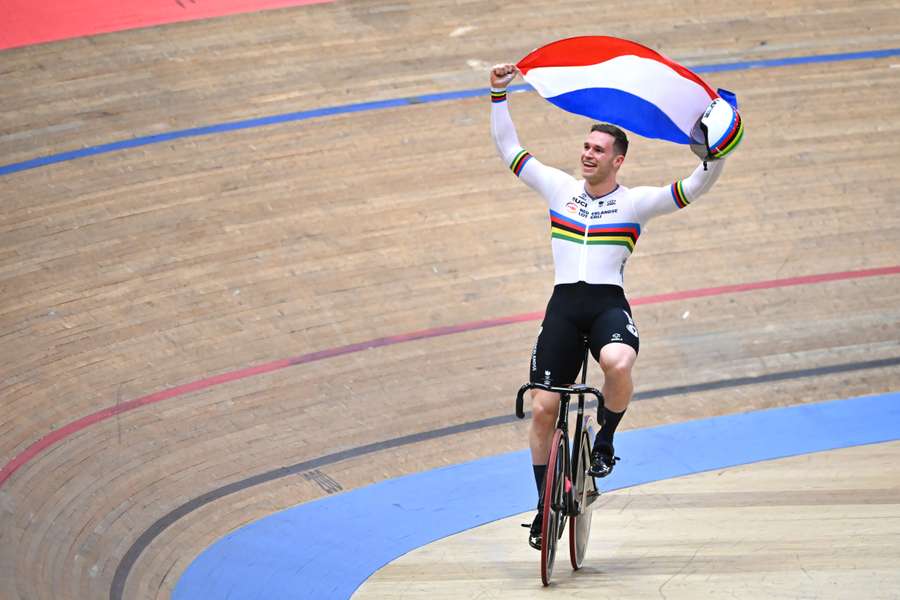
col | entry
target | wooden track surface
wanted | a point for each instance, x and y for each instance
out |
(798, 527)
(128, 273)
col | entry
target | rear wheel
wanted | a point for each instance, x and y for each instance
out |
(585, 492)
(553, 504)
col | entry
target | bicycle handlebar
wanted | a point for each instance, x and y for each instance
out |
(578, 388)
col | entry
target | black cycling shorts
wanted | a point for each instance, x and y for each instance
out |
(575, 310)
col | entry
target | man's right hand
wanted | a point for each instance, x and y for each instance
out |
(502, 75)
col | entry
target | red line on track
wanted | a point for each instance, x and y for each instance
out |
(201, 384)
(27, 22)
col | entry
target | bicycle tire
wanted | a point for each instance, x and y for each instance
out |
(554, 510)
(580, 522)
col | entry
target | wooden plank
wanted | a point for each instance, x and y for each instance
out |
(129, 273)
(819, 525)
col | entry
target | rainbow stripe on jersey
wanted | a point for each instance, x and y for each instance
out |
(617, 234)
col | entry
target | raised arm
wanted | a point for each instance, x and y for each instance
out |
(543, 179)
(654, 201)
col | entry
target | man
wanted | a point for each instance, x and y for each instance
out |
(595, 223)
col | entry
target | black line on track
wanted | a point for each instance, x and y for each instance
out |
(128, 561)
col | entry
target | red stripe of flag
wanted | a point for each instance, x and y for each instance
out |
(588, 50)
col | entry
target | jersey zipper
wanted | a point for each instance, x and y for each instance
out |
(582, 264)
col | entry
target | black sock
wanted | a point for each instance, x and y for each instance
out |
(610, 422)
(539, 472)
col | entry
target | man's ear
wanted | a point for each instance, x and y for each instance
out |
(617, 161)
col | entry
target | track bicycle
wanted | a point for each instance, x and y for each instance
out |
(568, 490)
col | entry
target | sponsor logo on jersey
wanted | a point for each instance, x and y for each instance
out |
(571, 207)
(586, 200)
(610, 212)
(582, 212)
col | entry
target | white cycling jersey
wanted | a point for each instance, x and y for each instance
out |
(592, 238)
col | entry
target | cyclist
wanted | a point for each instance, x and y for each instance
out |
(595, 223)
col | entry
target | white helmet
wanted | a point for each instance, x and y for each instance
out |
(717, 132)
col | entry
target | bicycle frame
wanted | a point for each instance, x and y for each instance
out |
(566, 495)
(562, 423)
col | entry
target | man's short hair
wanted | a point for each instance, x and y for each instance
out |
(620, 145)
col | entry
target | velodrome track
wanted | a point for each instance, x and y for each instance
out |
(266, 260)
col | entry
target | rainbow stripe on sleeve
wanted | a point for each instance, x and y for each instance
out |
(681, 199)
(498, 96)
(617, 234)
(519, 161)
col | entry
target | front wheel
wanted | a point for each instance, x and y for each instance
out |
(554, 503)
(585, 492)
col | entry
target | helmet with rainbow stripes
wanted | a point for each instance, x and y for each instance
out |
(717, 132)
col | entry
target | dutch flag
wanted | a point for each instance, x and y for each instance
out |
(620, 82)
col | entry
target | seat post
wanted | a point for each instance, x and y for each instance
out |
(587, 353)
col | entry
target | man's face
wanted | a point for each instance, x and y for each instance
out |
(598, 159)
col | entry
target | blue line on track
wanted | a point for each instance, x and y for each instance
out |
(137, 142)
(797, 60)
(328, 548)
